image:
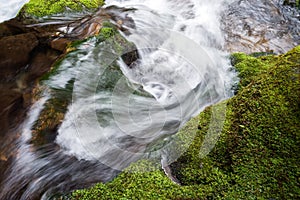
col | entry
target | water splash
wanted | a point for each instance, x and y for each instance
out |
(182, 68)
(10, 9)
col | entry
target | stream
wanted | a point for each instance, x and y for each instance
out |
(116, 112)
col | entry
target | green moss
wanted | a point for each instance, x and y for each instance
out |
(47, 7)
(262, 142)
(257, 154)
(140, 185)
(249, 66)
(107, 32)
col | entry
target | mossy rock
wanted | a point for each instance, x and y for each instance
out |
(45, 128)
(41, 8)
(256, 156)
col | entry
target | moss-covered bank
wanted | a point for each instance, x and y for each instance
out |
(47, 7)
(257, 155)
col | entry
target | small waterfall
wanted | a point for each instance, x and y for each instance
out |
(119, 113)
(182, 69)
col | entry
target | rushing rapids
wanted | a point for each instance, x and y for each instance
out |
(119, 111)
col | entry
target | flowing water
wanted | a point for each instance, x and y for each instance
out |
(117, 113)
(9, 9)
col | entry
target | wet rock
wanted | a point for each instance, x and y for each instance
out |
(25, 56)
(5, 30)
(44, 131)
(12, 27)
(41, 62)
(260, 26)
(9, 102)
(59, 44)
(86, 26)
(130, 57)
(91, 25)
(119, 16)
(15, 52)
(87, 29)
(29, 49)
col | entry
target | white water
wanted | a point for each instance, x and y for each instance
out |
(9, 9)
(182, 66)
(181, 71)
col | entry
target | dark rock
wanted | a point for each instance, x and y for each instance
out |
(130, 57)
(10, 101)
(12, 27)
(24, 58)
(15, 53)
(41, 63)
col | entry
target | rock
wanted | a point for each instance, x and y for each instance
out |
(10, 101)
(272, 28)
(59, 44)
(15, 53)
(41, 63)
(11, 27)
(130, 57)
(24, 58)
(91, 25)
(28, 52)
(86, 27)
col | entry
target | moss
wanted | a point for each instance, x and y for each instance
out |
(256, 156)
(249, 66)
(140, 185)
(107, 32)
(261, 144)
(47, 7)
